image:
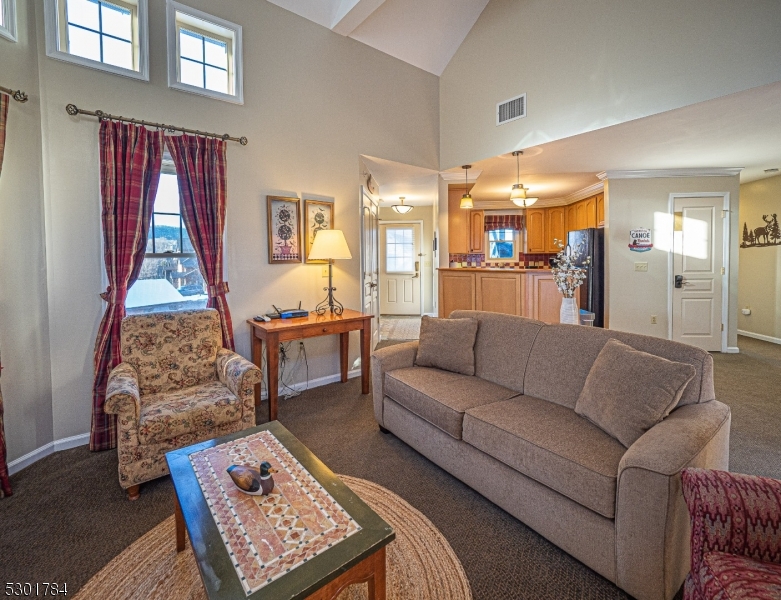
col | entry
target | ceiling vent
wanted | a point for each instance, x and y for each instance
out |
(510, 110)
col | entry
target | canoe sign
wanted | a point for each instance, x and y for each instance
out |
(640, 240)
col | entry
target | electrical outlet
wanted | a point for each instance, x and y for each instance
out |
(427, 263)
(324, 272)
(653, 319)
(641, 266)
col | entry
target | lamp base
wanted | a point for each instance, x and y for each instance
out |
(330, 303)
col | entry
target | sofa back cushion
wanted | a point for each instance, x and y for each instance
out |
(562, 356)
(502, 346)
(172, 350)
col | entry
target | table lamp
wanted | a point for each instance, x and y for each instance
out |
(330, 245)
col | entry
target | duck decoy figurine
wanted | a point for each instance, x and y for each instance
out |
(251, 480)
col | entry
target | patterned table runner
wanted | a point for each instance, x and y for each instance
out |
(267, 536)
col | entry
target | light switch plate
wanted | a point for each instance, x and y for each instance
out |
(324, 272)
(641, 266)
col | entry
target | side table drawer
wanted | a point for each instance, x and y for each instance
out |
(324, 329)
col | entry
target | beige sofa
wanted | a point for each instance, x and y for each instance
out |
(511, 433)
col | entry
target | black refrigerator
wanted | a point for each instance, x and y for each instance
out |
(591, 243)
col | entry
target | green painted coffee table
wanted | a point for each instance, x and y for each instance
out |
(310, 538)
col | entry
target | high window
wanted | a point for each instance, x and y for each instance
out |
(204, 54)
(170, 278)
(102, 34)
(501, 244)
(8, 19)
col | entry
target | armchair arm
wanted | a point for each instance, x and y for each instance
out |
(122, 391)
(237, 373)
(733, 513)
(652, 523)
(389, 359)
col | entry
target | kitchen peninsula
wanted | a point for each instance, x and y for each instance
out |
(526, 292)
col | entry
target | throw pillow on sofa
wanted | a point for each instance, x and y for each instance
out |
(447, 344)
(628, 391)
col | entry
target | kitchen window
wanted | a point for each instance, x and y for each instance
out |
(102, 34)
(8, 19)
(502, 244)
(204, 54)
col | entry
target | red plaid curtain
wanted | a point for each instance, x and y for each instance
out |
(497, 222)
(5, 484)
(201, 168)
(130, 161)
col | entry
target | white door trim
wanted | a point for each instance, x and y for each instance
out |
(381, 254)
(725, 262)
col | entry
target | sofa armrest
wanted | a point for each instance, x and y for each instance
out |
(387, 359)
(652, 522)
(239, 375)
(733, 513)
(122, 391)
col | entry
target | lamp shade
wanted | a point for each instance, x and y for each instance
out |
(329, 244)
(524, 202)
(466, 201)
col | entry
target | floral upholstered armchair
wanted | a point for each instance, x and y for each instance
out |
(175, 386)
(736, 536)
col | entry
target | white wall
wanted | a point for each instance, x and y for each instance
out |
(314, 101)
(24, 326)
(632, 297)
(759, 284)
(594, 63)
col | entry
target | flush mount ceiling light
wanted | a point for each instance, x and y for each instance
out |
(402, 208)
(518, 193)
(466, 199)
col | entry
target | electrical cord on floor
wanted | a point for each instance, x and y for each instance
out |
(288, 379)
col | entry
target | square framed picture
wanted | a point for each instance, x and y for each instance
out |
(284, 230)
(317, 215)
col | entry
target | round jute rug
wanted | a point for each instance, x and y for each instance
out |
(421, 565)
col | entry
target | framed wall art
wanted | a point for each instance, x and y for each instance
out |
(284, 230)
(317, 215)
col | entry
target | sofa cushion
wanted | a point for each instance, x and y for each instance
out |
(562, 356)
(502, 346)
(447, 344)
(735, 577)
(552, 445)
(628, 391)
(164, 416)
(441, 397)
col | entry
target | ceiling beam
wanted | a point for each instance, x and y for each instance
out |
(351, 13)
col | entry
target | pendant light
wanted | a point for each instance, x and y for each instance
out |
(518, 194)
(466, 199)
(402, 208)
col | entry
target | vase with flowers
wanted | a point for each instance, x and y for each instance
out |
(568, 277)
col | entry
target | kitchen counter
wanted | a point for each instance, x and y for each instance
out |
(497, 269)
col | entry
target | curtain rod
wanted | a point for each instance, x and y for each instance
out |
(17, 95)
(73, 110)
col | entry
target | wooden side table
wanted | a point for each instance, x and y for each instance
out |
(283, 330)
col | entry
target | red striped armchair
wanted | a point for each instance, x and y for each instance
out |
(736, 536)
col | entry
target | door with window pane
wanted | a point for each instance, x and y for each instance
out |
(400, 268)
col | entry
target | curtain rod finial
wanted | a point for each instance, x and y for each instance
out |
(20, 96)
(72, 110)
(243, 141)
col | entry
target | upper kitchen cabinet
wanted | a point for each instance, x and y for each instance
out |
(476, 231)
(458, 238)
(600, 210)
(591, 212)
(535, 231)
(556, 221)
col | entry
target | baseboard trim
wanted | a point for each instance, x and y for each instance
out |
(64, 444)
(733, 350)
(313, 383)
(759, 336)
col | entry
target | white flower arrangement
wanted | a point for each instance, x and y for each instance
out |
(566, 274)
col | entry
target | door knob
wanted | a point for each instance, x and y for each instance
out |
(679, 281)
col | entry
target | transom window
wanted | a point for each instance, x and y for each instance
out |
(204, 54)
(501, 244)
(8, 19)
(109, 35)
(399, 250)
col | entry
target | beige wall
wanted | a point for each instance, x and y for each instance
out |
(314, 101)
(759, 284)
(632, 297)
(425, 214)
(594, 63)
(24, 326)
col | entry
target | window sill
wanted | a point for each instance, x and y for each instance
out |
(183, 87)
(142, 75)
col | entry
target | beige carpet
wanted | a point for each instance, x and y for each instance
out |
(421, 565)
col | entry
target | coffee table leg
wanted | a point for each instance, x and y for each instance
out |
(179, 524)
(377, 582)
(371, 570)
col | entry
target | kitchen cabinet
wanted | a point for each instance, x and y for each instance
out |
(556, 227)
(476, 231)
(535, 231)
(591, 211)
(581, 218)
(600, 210)
(457, 224)
(456, 291)
(572, 217)
(499, 292)
(543, 298)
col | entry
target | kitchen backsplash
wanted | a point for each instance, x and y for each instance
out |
(524, 261)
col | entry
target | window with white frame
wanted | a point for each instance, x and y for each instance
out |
(8, 19)
(170, 278)
(110, 35)
(204, 54)
(501, 244)
(399, 250)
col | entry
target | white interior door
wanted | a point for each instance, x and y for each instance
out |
(698, 258)
(370, 263)
(400, 268)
